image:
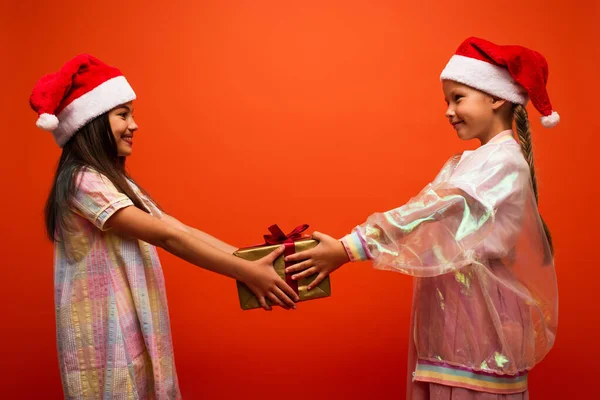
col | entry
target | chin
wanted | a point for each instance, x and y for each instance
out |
(463, 136)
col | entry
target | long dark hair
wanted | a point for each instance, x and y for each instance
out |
(93, 146)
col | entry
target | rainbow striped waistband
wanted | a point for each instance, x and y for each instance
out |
(451, 375)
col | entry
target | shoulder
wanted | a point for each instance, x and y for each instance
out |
(452, 161)
(496, 158)
(447, 169)
(88, 174)
(508, 156)
(90, 180)
(493, 171)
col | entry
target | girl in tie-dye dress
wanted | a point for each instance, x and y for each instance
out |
(485, 295)
(112, 319)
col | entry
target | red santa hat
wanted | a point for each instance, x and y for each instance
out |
(80, 91)
(512, 73)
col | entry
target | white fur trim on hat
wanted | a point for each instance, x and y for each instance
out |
(486, 77)
(47, 122)
(550, 121)
(102, 98)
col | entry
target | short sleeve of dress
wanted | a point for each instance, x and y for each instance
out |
(96, 198)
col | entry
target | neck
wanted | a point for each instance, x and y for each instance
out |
(495, 128)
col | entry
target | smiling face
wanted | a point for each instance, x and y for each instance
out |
(472, 113)
(123, 127)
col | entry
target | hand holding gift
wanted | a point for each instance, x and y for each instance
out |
(322, 260)
(293, 242)
(264, 282)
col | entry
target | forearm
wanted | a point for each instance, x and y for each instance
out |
(205, 237)
(196, 251)
(213, 241)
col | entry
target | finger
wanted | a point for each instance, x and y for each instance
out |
(271, 257)
(263, 303)
(317, 280)
(299, 267)
(303, 255)
(284, 298)
(318, 236)
(305, 274)
(287, 289)
(276, 300)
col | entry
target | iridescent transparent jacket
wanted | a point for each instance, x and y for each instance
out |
(485, 293)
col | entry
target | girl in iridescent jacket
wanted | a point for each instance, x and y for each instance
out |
(485, 295)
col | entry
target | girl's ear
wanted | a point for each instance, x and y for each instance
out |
(497, 102)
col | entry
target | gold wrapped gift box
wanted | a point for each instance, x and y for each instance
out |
(249, 301)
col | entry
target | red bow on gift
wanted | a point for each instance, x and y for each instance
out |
(278, 237)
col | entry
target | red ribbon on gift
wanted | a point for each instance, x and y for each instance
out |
(278, 237)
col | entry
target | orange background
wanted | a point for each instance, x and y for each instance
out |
(319, 112)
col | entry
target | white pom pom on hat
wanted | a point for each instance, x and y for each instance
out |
(550, 121)
(47, 122)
